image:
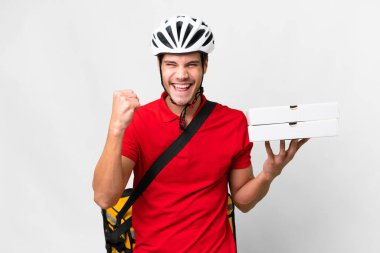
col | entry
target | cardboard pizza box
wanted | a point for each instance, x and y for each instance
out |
(295, 130)
(292, 113)
(293, 122)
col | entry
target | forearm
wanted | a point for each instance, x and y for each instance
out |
(109, 181)
(252, 192)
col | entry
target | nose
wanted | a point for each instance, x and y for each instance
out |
(182, 73)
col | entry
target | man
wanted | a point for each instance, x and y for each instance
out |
(184, 208)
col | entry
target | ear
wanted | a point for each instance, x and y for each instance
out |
(158, 63)
(205, 65)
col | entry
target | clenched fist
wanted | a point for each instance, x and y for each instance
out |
(124, 105)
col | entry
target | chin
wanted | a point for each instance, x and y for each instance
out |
(181, 101)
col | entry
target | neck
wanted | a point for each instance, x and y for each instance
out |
(177, 109)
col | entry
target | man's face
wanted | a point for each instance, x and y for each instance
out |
(182, 76)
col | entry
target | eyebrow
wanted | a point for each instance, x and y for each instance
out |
(167, 61)
(187, 63)
(193, 62)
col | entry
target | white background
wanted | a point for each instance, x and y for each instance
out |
(60, 61)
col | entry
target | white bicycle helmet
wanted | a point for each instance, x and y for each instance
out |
(182, 34)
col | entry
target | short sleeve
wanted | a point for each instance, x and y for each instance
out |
(242, 158)
(130, 147)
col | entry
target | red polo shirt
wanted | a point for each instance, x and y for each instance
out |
(184, 208)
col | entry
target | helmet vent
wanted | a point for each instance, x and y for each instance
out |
(154, 43)
(187, 32)
(196, 37)
(170, 32)
(163, 40)
(208, 40)
(179, 27)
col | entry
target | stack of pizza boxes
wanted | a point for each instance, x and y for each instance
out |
(293, 122)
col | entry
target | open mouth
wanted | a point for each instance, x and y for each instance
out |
(181, 87)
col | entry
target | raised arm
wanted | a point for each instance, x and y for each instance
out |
(113, 170)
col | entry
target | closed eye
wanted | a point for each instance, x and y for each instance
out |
(193, 64)
(170, 64)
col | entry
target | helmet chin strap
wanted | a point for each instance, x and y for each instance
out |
(182, 117)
